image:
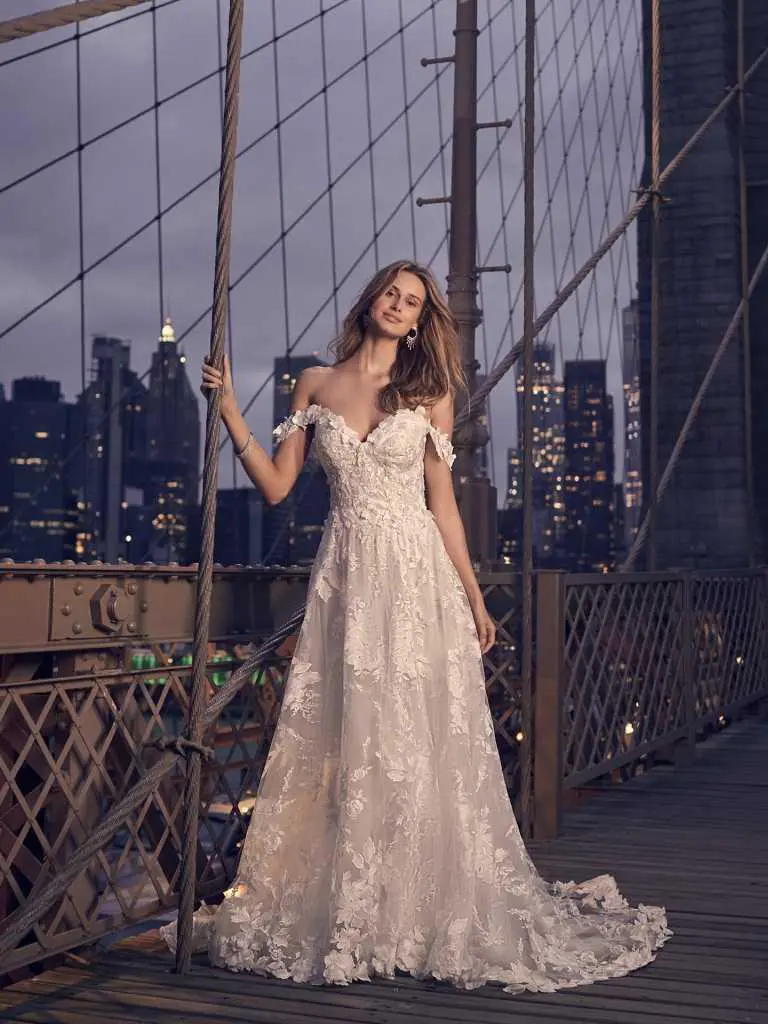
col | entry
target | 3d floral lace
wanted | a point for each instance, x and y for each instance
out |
(382, 836)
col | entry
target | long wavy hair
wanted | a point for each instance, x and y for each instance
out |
(432, 368)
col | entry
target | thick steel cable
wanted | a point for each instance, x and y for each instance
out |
(685, 430)
(60, 17)
(230, 338)
(529, 126)
(196, 722)
(85, 35)
(20, 921)
(589, 265)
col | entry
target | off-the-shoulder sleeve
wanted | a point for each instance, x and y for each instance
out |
(300, 419)
(442, 444)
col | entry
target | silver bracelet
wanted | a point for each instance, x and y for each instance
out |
(245, 447)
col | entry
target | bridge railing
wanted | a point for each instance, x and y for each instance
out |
(637, 665)
(94, 671)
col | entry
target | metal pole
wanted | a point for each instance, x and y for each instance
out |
(528, 312)
(655, 253)
(476, 498)
(746, 337)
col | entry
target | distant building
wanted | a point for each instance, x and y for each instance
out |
(704, 518)
(589, 468)
(633, 455)
(239, 535)
(548, 455)
(39, 514)
(514, 495)
(620, 548)
(292, 529)
(170, 484)
(109, 450)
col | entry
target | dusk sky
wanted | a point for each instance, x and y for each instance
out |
(588, 60)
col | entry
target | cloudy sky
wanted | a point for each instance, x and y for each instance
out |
(588, 160)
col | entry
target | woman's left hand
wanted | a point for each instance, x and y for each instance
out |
(486, 627)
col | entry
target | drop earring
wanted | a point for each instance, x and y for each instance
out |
(410, 338)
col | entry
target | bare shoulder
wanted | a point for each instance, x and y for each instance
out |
(307, 384)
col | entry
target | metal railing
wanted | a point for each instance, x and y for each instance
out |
(633, 665)
(94, 674)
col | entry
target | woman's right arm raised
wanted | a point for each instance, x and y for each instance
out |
(274, 478)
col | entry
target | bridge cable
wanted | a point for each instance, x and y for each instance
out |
(61, 17)
(84, 34)
(196, 718)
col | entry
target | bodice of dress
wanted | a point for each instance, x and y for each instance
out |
(380, 478)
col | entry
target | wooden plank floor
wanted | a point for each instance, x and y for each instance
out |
(694, 838)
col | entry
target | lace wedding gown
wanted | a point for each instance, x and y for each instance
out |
(382, 835)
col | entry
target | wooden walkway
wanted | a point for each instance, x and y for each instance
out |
(694, 838)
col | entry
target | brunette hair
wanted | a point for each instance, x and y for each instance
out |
(432, 368)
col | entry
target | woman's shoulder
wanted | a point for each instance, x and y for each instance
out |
(310, 379)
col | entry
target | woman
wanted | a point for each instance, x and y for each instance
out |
(382, 836)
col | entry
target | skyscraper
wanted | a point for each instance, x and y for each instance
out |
(39, 516)
(548, 453)
(633, 468)
(173, 454)
(293, 528)
(704, 518)
(239, 526)
(589, 468)
(109, 452)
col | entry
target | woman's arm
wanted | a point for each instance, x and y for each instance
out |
(274, 478)
(441, 501)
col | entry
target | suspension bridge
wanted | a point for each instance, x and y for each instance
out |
(284, 151)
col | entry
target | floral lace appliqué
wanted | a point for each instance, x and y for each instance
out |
(382, 835)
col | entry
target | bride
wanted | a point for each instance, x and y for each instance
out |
(382, 835)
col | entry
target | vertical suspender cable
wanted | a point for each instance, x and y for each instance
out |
(158, 189)
(408, 154)
(329, 170)
(210, 467)
(655, 282)
(89, 519)
(528, 311)
(369, 122)
(746, 337)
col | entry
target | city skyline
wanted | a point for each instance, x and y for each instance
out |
(269, 310)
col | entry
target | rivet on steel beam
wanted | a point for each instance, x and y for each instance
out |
(131, 627)
(66, 609)
(131, 588)
(78, 588)
(77, 628)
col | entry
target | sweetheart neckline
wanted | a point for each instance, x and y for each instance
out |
(351, 430)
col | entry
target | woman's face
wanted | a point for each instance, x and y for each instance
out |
(397, 310)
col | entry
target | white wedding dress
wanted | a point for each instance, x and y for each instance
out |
(382, 836)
